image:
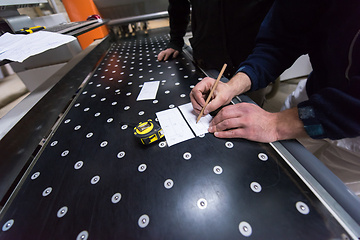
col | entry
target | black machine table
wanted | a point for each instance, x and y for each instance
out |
(94, 180)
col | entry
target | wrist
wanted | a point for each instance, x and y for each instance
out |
(288, 125)
(240, 83)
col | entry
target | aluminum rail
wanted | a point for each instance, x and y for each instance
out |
(343, 204)
(145, 17)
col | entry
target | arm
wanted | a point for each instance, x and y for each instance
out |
(179, 14)
(331, 110)
(244, 120)
(284, 35)
(333, 87)
(331, 113)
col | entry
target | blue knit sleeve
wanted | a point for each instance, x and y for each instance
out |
(283, 37)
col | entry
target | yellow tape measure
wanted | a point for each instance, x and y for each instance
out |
(148, 132)
(30, 30)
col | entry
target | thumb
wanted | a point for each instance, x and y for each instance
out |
(212, 106)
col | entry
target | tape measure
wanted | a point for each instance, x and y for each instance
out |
(148, 132)
(27, 30)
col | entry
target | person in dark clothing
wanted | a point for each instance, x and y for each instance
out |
(329, 31)
(223, 31)
(330, 34)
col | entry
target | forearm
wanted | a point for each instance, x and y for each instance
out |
(239, 83)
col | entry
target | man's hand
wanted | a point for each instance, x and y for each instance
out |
(222, 95)
(165, 54)
(249, 121)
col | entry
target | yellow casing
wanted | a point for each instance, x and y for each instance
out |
(149, 134)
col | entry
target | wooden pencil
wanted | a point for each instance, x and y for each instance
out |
(211, 92)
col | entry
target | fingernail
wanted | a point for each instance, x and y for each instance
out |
(216, 134)
(211, 129)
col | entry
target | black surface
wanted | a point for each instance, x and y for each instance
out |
(174, 213)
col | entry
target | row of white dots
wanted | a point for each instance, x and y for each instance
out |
(143, 221)
(256, 187)
(244, 227)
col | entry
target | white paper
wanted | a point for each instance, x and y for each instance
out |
(202, 126)
(175, 128)
(18, 47)
(7, 40)
(148, 91)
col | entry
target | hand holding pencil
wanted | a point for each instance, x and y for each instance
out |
(221, 95)
(211, 92)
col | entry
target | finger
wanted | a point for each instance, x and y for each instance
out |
(213, 105)
(196, 105)
(203, 87)
(167, 55)
(176, 53)
(161, 55)
(228, 112)
(199, 93)
(198, 99)
(226, 124)
(216, 101)
(233, 133)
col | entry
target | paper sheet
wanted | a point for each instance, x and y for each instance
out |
(7, 40)
(175, 128)
(202, 126)
(18, 47)
(148, 91)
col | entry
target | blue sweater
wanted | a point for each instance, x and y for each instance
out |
(329, 31)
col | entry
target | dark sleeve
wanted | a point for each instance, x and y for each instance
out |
(332, 113)
(179, 14)
(334, 94)
(282, 38)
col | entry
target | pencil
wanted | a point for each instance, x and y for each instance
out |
(211, 92)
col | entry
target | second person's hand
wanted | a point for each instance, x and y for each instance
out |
(165, 54)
